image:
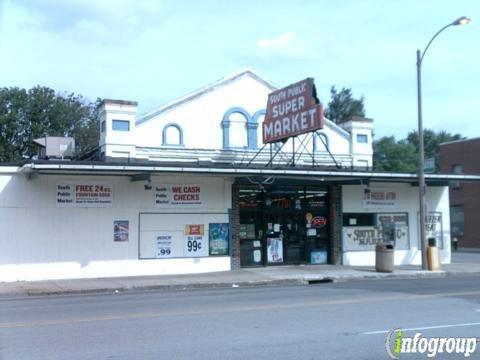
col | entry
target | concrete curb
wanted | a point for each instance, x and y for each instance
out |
(300, 280)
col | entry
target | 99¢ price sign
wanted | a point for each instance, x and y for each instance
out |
(195, 244)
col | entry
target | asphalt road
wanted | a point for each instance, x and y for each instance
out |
(323, 321)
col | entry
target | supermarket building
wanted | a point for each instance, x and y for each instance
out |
(189, 187)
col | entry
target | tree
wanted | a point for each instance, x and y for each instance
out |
(432, 141)
(391, 156)
(402, 155)
(343, 106)
(38, 112)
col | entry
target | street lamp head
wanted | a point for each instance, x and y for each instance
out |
(461, 21)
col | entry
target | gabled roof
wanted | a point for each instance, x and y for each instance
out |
(204, 90)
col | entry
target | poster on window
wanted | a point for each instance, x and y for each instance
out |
(390, 228)
(120, 230)
(195, 244)
(274, 250)
(433, 227)
(178, 196)
(218, 238)
(84, 194)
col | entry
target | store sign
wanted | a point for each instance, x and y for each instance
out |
(319, 221)
(195, 244)
(292, 111)
(168, 196)
(379, 198)
(84, 194)
(365, 238)
(433, 227)
(164, 246)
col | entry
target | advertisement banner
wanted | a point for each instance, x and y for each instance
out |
(120, 230)
(218, 238)
(389, 228)
(275, 250)
(195, 244)
(164, 246)
(171, 196)
(84, 194)
(433, 227)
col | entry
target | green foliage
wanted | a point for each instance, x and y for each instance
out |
(391, 156)
(38, 112)
(343, 106)
(402, 156)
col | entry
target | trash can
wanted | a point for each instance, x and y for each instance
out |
(433, 259)
(384, 257)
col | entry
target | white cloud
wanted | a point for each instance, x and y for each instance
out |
(284, 45)
(91, 19)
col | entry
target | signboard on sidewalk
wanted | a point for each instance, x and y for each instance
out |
(292, 111)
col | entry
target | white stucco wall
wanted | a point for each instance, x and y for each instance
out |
(201, 117)
(407, 202)
(42, 241)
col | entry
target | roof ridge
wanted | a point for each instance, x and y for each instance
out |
(205, 89)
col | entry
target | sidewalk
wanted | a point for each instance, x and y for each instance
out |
(462, 264)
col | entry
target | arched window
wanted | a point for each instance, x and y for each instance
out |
(240, 129)
(320, 142)
(172, 135)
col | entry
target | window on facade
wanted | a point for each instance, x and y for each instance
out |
(457, 220)
(103, 126)
(362, 139)
(456, 169)
(320, 142)
(172, 135)
(121, 125)
(238, 131)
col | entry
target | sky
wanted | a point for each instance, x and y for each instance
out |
(154, 51)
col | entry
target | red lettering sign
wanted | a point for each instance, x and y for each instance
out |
(292, 111)
(319, 221)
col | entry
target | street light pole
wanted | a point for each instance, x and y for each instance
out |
(422, 187)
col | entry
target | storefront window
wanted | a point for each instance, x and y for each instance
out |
(283, 224)
(251, 198)
(363, 231)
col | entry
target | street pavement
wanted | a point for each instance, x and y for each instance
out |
(343, 320)
(463, 263)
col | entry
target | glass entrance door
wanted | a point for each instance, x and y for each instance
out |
(285, 237)
(285, 224)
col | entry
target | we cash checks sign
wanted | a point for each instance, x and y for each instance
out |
(168, 196)
(292, 111)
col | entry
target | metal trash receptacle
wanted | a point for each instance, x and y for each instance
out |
(384, 258)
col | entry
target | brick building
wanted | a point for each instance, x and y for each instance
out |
(461, 157)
